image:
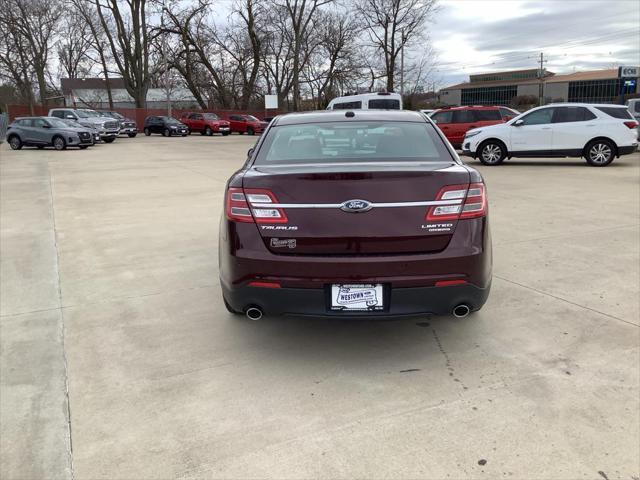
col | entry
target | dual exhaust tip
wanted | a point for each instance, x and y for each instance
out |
(459, 311)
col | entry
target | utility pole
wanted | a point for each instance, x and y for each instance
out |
(540, 78)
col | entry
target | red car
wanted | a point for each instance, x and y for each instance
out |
(205, 123)
(247, 124)
(454, 122)
(366, 213)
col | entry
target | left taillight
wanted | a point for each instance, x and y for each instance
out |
(253, 205)
(631, 124)
(468, 201)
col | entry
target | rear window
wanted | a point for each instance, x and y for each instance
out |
(572, 114)
(347, 106)
(442, 117)
(352, 142)
(616, 112)
(485, 115)
(384, 104)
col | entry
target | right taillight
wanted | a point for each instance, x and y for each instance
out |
(631, 124)
(467, 201)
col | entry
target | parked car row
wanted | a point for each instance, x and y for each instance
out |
(203, 123)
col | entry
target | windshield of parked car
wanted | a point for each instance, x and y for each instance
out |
(171, 121)
(352, 142)
(91, 113)
(82, 114)
(113, 115)
(72, 123)
(251, 118)
(211, 116)
(54, 122)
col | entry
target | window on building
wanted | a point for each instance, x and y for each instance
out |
(597, 91)
(572, 114)
(501, 95)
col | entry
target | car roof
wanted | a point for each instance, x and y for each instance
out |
(578, 104)
(470, 107)
(323, 116)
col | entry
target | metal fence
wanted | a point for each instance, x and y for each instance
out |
(4, 121)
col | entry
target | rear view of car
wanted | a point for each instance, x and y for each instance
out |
(366, 213)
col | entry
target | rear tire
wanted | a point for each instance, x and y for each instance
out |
(59, 143)
(167, 132)
(208, 132)
(492, 152)
(147, 132)
(250, 131)
(600, 153)
(15, 143)
(132, 135)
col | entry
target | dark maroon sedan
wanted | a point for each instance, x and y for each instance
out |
(354, 214)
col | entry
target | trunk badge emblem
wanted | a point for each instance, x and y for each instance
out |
(356, 206)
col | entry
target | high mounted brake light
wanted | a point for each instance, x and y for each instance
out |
(251, 205)
(474, 203)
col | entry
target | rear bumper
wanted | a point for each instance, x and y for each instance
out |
(315, 302)
(409, 279)
(627, 150)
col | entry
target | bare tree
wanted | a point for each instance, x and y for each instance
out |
(32, 24)
(129, 39)
(391, 25)
(74, 45)
(300, 14)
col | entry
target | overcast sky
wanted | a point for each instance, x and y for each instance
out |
(476, 36)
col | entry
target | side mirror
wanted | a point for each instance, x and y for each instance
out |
(250, 152)
(518, 123)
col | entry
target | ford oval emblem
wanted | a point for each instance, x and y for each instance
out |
(356, 206)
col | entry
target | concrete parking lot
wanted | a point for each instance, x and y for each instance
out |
(119, 360)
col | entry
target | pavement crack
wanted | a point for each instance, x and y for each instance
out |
(541, 292)
(62, 326)
(447, 360)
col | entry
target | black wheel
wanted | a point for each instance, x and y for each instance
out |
(59, 143)
(492, 152)
(250, 131)
(241, 133)
(167, 132)
(225, 134)
(132, 135)
(147, 132)
(15, 143)
(202, 133)
(600, 153)
(110, 140)
(208, 131)
(82, 147)
(229, 308)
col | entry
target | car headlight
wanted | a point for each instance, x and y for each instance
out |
(471, 134)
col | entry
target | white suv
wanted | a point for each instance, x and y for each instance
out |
(597, 132)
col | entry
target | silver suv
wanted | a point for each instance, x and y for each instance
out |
(108, 128)
(46, 131)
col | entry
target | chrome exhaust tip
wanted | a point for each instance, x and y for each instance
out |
(253, 313)
(461, 311)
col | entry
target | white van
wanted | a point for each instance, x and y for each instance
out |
(634, 107)
(367, 101)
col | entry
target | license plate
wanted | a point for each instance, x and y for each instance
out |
(357, 297)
